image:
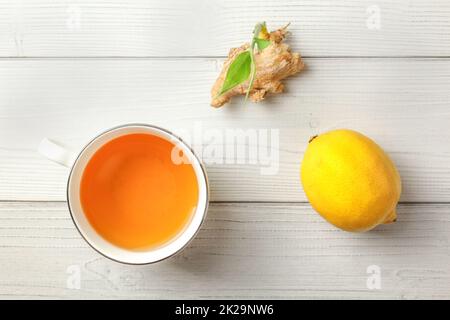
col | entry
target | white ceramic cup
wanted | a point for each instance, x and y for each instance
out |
(59, 154)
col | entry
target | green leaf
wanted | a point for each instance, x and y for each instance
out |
(262, 43)
(263, 33)
(238, 72)
(260, 36)
(243, 67)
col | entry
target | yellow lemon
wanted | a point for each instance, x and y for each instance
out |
(350, 181)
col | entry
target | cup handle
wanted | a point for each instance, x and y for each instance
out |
(56, 152)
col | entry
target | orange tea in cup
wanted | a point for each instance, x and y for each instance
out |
(134, 195)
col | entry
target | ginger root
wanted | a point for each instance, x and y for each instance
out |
(273, 64)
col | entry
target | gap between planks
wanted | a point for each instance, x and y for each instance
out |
(6, 58)
(292, 203)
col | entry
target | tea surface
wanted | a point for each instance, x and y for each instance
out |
(134, 195)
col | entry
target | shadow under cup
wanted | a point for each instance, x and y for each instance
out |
(109, 249)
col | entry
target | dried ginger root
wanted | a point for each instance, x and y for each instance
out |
(273, 64)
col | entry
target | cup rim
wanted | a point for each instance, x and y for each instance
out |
(180, 140)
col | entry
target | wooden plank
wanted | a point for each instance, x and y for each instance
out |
(402, 104)
(242, 251)
(209, 28)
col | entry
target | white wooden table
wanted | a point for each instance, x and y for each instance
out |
(71, 69)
